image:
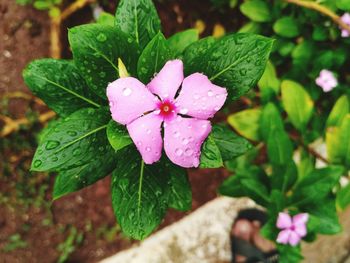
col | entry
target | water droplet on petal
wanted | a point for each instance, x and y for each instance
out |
(196, 96)
(178, 152)
(190, 139)
(185, 141)
(148, 149)
(210, 93)
(188, 152)
(218, 96)
(184, 111)
(148, 131)
(176, 134)
(127, 92)
(139, 143)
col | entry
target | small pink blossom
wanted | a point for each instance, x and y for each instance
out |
(326, 80)
(182, 112)
(346, 19)
(293, 229)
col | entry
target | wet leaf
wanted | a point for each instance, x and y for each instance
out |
(140, 194)
(153, 58)
(118, 135)
(74, 141)
(59, 84)
(179, 41)
(96, 49)
(139, 19)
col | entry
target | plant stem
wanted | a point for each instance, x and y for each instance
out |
(321, 9)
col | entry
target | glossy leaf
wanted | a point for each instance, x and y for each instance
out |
(270, 119)
(76, 178)
(334, 145)
(210, 155)
(179, 41)
(153, 58)
(139, 19)
(269, 80)
(256, 10)
(286, 27)
(59, 84)
(339, 111)
(180, 196)
(344, 139)
(74, 141)
(236, 61)
(118, 135)
(246, 123)
(96, 49)
(140, 194)
(297, 103)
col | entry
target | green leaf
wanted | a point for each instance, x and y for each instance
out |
(193, 53)
(286, 27)
(106, 19)
(256, 10)
(76, 178)
(249, 182)
(343, 197)
(74, 141)
(139, 19)
(229, 143)
(42, 5)
(210, 155)
(180, 196)
(343, 5)
(334, 145)
(59, 84)
(324, 218)
(140, 194)
(339, 111)
(316, 185)
(117, 135)
(96, 49)
(279, 147)
(153, 58)
(283, 177)
(236, 61)
(246, 123)
(288, 254)
(179, 41)
(297, 103)
(270, 119)
(269, 80)
(250, 27)
(344, 139)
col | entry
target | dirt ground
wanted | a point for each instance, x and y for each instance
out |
(80, 227)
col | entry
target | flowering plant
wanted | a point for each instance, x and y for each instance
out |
(111, 65)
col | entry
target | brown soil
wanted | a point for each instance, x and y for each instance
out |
(24, 36)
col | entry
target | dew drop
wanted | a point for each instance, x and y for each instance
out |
(101, 37)
(72, 133)
(188, 152)
(127, 92)
(148, 131)
(176, 134)
(210, 93)
(76, 152)
(52, 145)
(184, 111)
(196, 96)
(190, 139)
(37, 163)
(185, 141)
(148, 149)
(139, 143)
(178, 152)
(218, 96)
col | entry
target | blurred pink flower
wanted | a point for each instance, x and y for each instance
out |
(346, 19)
(326, 80)
(144, 110)
(293, 229)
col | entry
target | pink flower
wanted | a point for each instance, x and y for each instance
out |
(146, 109)
(346, 19)
(326, 80)
(293, 229)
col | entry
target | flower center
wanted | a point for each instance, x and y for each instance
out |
(166, 109)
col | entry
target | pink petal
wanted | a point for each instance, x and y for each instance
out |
(283, 236)
(284, 221)
(300, 219)
(300, 230)
(294, 238)
(200, 98)
(183, 138)
(146, 134)
(129, 99)
(166, 83)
